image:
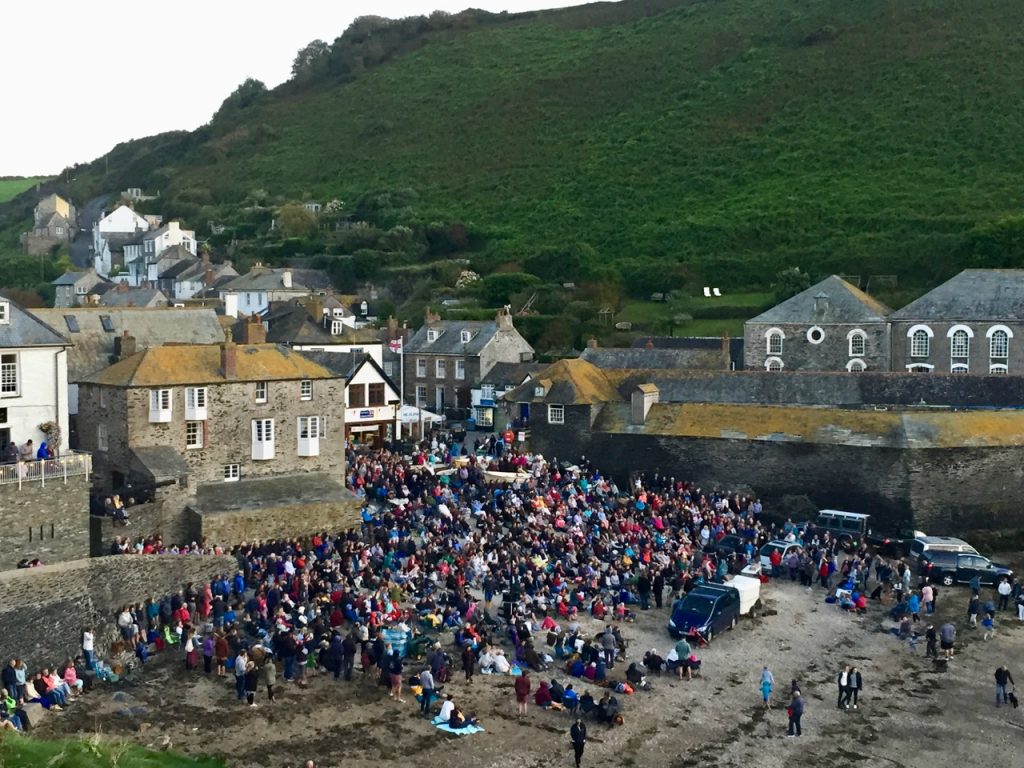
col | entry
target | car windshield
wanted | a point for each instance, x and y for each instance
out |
(698, 604)
(767, 549)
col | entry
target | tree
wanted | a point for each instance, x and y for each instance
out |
(309, 59)
(295, 221)
(244, 96)
(789, 282)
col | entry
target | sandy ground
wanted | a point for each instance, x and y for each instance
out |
(910, 715)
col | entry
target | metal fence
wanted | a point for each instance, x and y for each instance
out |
(69, 464)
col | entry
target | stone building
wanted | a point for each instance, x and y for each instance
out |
(831, 326)
(446, 359)
(54, 222)
(972, 323)
(217, 431)
(75, 289)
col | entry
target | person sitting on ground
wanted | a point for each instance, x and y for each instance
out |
(634, 676)
(446, 709)
(570, 699)
(653, 661)
(542, 698)
(587, 703)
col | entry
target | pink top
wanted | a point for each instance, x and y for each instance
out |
(70, 676)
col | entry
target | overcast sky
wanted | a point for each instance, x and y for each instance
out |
(79, 77)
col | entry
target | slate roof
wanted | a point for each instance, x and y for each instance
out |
(159, 462)
(69, 278)
(348, 364)
(133, 297)
(630, 357)
(314, 279)
(502, 374)
(845, 304)
(94, 346)
(974, 294)
(177, 268)
(253, 493)
(25, 329)
(571, 382)
(264, 279)
(450, 341)
(178, 364)
(291, 324)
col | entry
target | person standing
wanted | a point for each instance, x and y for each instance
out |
(427, 683)
(270, 678)
(1003, 678)
(252, 682)
(522, 689)
(1004, 589)
(578, 736)
(767, 686)
(643, 586)
(208, 648)
(928, 598)
(854, 685)
(795, 710)
(843, 702)
(468, 661)
(947, 638)
(348, 656)
(932, 639)
(240, 661)
(659, 587)
(395, 668)
(88, 648)
(1020, 606)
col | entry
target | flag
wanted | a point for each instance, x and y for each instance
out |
(395, 345)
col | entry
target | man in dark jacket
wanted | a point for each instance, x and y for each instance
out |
(348, 656)
(795, 710)
(1003, 679)
(578, 736)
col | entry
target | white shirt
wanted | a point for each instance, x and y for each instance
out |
(87, 641)
(446, 710)
(1004, 587)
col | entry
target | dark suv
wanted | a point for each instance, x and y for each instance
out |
(707, 610)
(950, 568)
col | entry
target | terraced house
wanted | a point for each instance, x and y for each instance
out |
(210, 429)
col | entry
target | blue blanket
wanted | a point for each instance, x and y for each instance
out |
(443, 726)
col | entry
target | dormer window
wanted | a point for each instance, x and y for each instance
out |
(5, 312)
(466, 336)
(432, 335)
(337, 327)
(538, 391)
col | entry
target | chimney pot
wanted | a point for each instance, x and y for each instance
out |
(229, 360)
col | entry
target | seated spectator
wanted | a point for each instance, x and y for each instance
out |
(570, 699)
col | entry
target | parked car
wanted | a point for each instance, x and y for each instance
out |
(848, 528)
(950, 568)
(784, 548)
(730, 544)
(892, 543)
(922, 545)
(708, 610)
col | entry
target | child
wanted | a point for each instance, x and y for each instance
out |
(989, 625)
(766, 689)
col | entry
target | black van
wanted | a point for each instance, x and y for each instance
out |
(706, 610)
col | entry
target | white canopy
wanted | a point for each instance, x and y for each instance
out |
(410, 414)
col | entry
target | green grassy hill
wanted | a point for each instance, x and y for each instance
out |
(715, 141)
(12, 186)
(17, 751)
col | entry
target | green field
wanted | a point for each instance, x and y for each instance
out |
(19, 752)
(10, 187)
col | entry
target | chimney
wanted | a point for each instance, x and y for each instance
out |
(504, 319)
(208, 277)
(229, 359)
(124, 346)
(253, 331)
(316, 312)
(591, 343)
(204, 256)
(392, 328)
(429, 317)
(286, 278)
(643, 397)
(726, 351)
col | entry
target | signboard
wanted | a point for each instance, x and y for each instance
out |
(366, 414)
(509, 436)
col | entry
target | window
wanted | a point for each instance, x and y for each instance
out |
(858, 343)
(389, 368)
(376, 394)
(103, 397)
(160, 406)
(815, 334)
(920, 343)
(460, 369)
(306, 389)
(487, 392)
(774, 339)
(432, 335)
(262, 439)
(960, 345)
(958, 368)
(80, 290)
(466, 337)
(337, 327)
(193, 434)
(309, 435)
(997, 368)
(440, 368)
(999, 345)
(59, 230)
(356, 395)
(261, 391)
(5, 312)
(232, 472)
(107, 323)
(556, 414)
(195, 403)
(101, 437)
(421, 368)
(9, 384)
(855, 366)
(72, 322)
(421, 395)
(773, 364)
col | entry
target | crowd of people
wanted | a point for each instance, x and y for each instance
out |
(51, 687)
(13, 453)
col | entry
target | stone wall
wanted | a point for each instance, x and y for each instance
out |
(157, 517)
(43, 610)
(832, 353)
(50, 522)
(292, 520)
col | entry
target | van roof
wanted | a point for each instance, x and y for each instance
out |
(939, 540)
(839, 512)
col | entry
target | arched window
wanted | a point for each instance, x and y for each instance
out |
(999, 345)
(774, 337)
(773, 364)
(920, 343)
(997, 369)
(855, 366)
(858, 342)
(960, 345)
(958, 368)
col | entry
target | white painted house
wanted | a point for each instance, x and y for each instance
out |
(33, 377)
(110, 232)
(142, 253)
(252, 292)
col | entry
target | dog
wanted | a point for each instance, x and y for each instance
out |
(1013, 699)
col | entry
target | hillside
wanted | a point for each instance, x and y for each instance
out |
(12, 186)
(712, 141)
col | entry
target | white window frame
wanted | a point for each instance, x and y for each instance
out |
(1007, 334)
(915, 349)
(196, 399)
(262, 390)
(854, 336)
(421, 395)
(466, 337)
(774, 364)
(460, 369)
(195, 434)
(959, 342)
(101, 437)
(262, 439)
(5, 312)
(815, 335)
(232, 472)
(913, 367)
(306, 389)
(421, 368)
(487, 392)
(556, 413)
(774, 338)
(161, 405)
(959, 368)
(10, 374)
(432, 335)
(337, 327)
(309, 432)
(440, 368)
(856, 365)
(998, 369)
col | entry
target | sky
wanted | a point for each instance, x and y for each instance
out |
(81, 77)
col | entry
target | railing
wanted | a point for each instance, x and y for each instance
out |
(69, 464)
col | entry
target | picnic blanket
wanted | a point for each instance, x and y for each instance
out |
(441, 725)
